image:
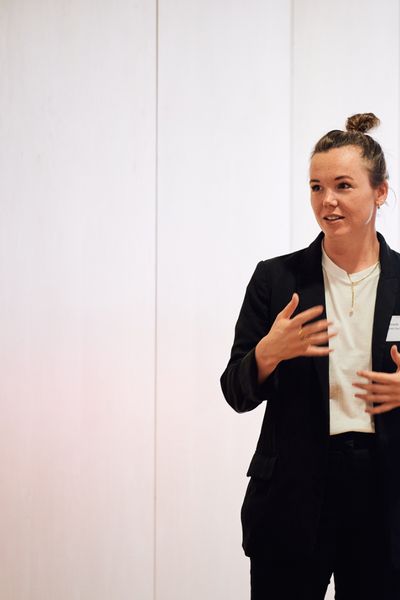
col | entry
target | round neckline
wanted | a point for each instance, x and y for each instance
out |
(335, 271)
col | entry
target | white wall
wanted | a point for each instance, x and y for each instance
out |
(77, 264)
(220, 93)
(151, 154)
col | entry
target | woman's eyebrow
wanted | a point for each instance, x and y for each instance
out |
(336, 178)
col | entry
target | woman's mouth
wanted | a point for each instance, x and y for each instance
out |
(332, 218)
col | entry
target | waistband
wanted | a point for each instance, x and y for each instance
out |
(352, 440)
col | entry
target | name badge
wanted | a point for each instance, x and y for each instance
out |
(393, 334)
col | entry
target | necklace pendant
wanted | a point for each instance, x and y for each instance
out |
(354, 283)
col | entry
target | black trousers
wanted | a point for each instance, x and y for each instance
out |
(351, 543)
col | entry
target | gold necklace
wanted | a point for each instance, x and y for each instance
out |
(354, 283)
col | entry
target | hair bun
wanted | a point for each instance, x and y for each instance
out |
(362, 122)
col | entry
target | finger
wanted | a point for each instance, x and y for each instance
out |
(376, 388)
(307, 315)
(377, 398)
(317, 351)
(319, 338)
(394, 353)
(289, 309)
(376, 410)
(375, 376)
(316, 327)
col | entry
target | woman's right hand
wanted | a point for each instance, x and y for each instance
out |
(289, 338)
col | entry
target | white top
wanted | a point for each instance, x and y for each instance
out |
(352, 345)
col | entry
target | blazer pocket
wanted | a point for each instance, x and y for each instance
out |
(261, 467)
(256, 504)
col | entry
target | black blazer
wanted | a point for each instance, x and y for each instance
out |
(281, 508)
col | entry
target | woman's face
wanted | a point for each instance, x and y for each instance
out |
(343, 200)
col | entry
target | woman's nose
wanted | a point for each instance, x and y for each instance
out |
(330, 199)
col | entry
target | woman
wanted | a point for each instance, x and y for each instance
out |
(315, 339)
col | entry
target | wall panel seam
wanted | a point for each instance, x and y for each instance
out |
(155, 466)
(291, 124)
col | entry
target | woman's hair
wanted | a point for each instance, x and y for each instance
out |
(356, 135)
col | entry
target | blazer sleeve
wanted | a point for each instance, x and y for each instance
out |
(239, 381)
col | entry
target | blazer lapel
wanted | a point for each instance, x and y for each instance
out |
(385, 300)
(310, 287)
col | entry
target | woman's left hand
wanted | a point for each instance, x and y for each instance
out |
(382, 388)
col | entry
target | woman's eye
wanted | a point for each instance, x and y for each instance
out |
(343, 185)
(315, 188)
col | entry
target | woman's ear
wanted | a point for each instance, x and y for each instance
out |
(381, 193)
